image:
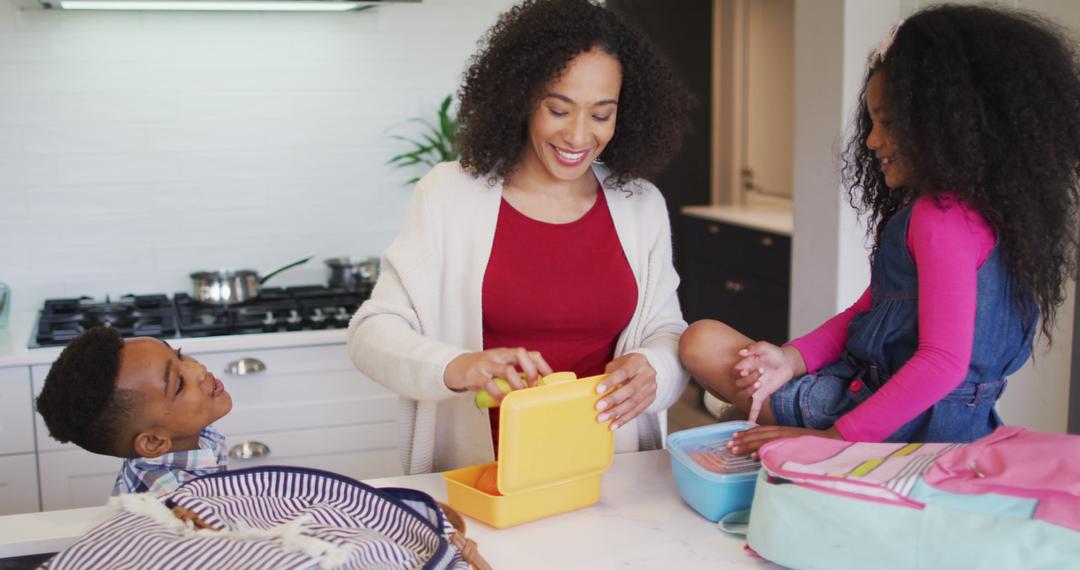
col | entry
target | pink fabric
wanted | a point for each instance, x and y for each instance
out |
(881, 472)
(948, 243)
(826, 343)
(1020, 463)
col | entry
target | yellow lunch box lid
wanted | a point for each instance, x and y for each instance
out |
(549, 434)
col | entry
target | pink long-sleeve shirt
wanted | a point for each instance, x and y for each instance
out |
(948, 244)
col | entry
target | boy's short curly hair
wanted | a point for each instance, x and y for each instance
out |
(80, 402)
(528, 48)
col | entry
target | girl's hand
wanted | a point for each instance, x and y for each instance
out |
(763, 369)
(751, 440)
(478, 370)
(634, 383)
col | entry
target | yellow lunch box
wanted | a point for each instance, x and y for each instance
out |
(552, 455)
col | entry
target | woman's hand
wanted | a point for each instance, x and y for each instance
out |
(634, 383)
(751, 440)
(763, 369)
(477, 370)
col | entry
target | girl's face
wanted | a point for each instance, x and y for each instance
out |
(880, 140)
(575, 118)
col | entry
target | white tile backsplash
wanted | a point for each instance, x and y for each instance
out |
(138, 147)
(25, 110)
(27, 171)
(11, 141)
(8, 17)
(15, 47)
(260, 135)
(103, 45)
(9, 78)
(49, 78)
(76, 139)
(63, 21)
(78, 170)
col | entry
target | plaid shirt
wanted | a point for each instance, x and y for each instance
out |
(168, 471)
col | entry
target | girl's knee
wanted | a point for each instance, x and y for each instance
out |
(707, 335)
(708, 344)
(695, 343)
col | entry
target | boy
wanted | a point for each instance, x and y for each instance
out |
(141, 400)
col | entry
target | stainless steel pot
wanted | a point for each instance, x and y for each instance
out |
(229, 287)
(352, 273)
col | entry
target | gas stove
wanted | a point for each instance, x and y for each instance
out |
(309, 307)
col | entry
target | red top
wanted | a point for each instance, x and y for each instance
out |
(564, 290)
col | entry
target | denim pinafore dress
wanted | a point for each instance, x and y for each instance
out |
(882, 339)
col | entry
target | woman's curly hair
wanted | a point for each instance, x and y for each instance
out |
(984, 103)
(527, 49)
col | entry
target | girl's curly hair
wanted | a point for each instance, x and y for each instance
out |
(527, 49)
(984, 103)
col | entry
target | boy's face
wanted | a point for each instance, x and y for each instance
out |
(179, 396)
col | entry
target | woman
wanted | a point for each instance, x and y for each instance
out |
(529, 255)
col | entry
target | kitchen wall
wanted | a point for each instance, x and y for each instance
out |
(137, 147)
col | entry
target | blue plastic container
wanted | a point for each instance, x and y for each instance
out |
(711, 494)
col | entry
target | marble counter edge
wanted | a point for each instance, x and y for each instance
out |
(14, 339)
(773, 219)
(669, 529)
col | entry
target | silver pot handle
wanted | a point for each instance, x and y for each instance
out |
(245, 366)
(249, 450)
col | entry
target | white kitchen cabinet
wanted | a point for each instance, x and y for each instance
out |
(307, 405)
(16, 429)
(18, 470)
(75, 478)
(18, 484)
(358, 451)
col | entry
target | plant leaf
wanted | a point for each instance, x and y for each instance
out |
(408, 162)
(424, 122)
(412, 154)
(433, 144)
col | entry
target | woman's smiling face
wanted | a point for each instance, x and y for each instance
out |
(575, 118)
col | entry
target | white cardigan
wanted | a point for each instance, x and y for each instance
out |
(426, 310)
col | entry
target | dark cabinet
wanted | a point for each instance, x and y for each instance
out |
(737, 275)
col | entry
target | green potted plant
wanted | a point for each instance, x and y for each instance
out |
(433, 145)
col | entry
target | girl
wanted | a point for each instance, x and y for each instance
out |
(530, 254)
(965, 158)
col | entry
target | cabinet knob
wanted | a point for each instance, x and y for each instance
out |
(249, 450)
(713, 228)
(767, 241)
(245, 366)
(734, 286)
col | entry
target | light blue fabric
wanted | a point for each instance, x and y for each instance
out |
(988, 503)
(800, 527)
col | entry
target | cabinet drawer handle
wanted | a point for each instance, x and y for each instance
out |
(245, 366)
(767, 241)
(734, 286)
(714, 228)
(249, 450)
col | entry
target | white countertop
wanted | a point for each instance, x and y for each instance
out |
(771, 215)
(15, 337)
(639, 522)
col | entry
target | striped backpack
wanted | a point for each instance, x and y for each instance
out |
(273, 517)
